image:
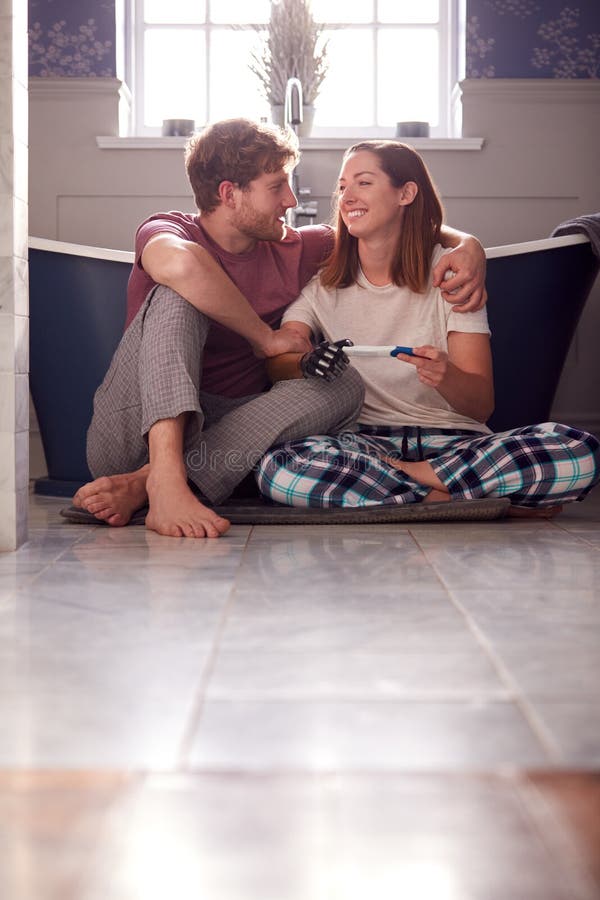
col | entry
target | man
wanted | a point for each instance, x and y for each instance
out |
(185, 398)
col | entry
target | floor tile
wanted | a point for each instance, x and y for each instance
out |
(547, 661)
(516, 608)
(522, 557)
(574, 798)
(136, 546)
(574, 729)
(378, 559)
(117, 694)
(455, 837)
(104, 670)
(45, 542)
(318, 838)
(252, 598)
(20, 575)
(409, 674)
(117, 591)
(387, 630)
(78, 730)
(312, 706)
(331, 535)
(374, 736)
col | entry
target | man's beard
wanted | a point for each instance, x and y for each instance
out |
(260, 226)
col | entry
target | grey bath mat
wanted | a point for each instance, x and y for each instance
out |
(256, 513)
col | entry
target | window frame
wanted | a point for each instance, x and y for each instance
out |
(451, 37)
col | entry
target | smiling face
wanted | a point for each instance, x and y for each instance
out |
(260, 209)
(369, 204)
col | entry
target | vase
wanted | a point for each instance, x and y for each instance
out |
(277, 114)
(308, 116)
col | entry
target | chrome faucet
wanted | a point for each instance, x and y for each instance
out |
(292, 117)
(292, 112)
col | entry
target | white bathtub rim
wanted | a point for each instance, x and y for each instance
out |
(128, 256)
(550, 243)
(124, 256)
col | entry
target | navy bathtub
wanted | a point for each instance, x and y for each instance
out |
(77, 299)
(537, 291)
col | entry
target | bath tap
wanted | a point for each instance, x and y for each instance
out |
(292, 111)
(292, 117)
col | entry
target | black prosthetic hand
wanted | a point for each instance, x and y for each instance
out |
(327, 360)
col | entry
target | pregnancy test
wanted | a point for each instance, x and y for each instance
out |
(366, 350)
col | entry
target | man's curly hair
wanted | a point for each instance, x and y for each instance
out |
(237, 150)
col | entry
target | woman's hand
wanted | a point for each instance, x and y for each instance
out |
(463, 376)
(464, 286)
(430, 362)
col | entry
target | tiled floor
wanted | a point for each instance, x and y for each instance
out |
(302, 713)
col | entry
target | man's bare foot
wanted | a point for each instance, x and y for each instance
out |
(176, 512)
(535, 512)
(114, 498)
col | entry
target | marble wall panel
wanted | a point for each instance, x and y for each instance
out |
(13, 521)
(7, 343)
(7, 403)
(14, 286)
(21, 344)
(7, 274)
(6, 54)
(14, 324)
(7, 468)
(21, 402)
(21, 468)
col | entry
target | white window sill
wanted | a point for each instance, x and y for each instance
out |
(312, 143)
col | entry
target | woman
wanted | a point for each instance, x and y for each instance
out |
(422, 434)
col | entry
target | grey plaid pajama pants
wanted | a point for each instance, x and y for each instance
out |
(538, 465)
(155, 374)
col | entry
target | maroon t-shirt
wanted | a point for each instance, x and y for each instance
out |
(270, 276)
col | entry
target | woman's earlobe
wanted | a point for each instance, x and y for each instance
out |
(409, 191)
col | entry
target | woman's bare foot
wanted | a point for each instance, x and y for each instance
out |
(535, 512)
(176, 512)
(436, 497)
(114, 498)
(423, 474)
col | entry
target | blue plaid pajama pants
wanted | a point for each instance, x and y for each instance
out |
(537, 465)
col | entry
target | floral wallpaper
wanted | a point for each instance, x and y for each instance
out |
(532, 39)
(73, 38)
(504, 38)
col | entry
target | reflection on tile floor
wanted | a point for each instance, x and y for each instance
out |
(301, 713)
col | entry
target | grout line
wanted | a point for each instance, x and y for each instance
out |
(574, 534)
(526, 708)
(539, 730)
(45, 566)
(193, 724)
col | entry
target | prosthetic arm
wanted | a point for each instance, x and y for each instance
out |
(327, 360)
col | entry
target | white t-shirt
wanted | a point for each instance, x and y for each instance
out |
(368, 314)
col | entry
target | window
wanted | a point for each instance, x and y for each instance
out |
(389, 61)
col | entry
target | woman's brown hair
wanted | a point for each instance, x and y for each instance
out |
(420, 225)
